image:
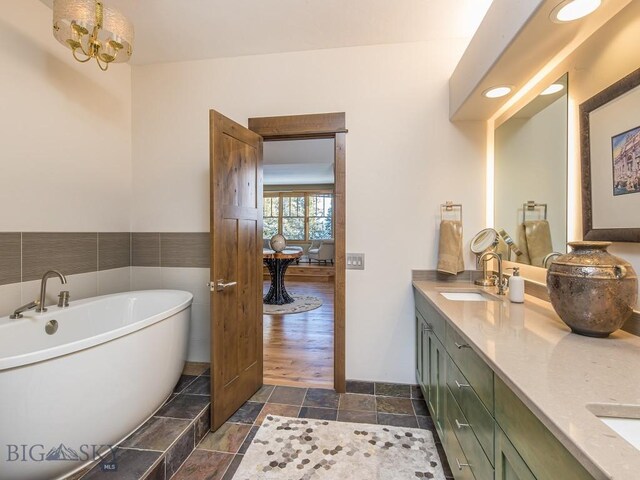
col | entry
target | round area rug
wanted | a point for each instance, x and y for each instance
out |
(301, 304)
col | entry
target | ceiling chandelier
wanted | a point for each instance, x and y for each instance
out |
(93, 30)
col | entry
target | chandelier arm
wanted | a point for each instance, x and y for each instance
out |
(103, 68)
(75, 55)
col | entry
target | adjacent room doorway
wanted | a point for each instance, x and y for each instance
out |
(307, 349)
(236, 278)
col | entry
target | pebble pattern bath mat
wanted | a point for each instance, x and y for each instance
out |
(300, 304)
(306, 449)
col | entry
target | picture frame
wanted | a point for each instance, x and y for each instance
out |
(609, 121)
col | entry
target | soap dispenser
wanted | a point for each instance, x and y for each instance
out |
(516, 287)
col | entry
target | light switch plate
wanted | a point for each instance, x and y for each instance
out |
(355, 261)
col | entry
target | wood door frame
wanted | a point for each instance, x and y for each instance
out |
(323, 125)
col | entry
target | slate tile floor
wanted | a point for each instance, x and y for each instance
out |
(163, 448)
(219, 454)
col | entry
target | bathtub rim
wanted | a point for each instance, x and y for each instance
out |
(30, 358)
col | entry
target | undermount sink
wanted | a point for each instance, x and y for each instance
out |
(627, 428)
(467, 297)
(622, 419)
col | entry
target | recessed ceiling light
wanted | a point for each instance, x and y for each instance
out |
(570, 10)
(497, 92)
(551, 89)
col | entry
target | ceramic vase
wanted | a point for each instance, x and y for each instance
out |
(593, 291)
(278, 242)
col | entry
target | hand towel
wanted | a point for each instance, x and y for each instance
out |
(539, 244)
(522, 244)
(450, 258)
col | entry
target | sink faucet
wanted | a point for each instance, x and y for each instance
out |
(499, 281)
(43, 287)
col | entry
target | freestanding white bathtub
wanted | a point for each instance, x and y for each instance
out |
(111, 364)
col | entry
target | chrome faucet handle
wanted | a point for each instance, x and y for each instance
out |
(63, 298)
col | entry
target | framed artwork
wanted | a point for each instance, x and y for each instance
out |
(610, 151)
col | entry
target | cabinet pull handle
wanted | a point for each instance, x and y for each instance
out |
(460, 465)
(460, 425)
(427, 328)
(462, 385)
(460, 345)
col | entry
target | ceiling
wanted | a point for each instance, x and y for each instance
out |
(298, 162)
(180, 30)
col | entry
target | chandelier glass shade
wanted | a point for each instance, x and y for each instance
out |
(92, 30)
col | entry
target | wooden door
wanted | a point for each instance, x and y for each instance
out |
(236, 266)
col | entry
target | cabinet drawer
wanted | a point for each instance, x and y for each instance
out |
(457, 461)
(473, 409)
(478, 373)
(542, 452)
(430, 314)
(479, 463)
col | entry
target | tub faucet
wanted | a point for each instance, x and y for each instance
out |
(20, 310)
(43, 287)
(498, 280)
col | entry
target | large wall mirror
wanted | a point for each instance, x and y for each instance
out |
(531, 178)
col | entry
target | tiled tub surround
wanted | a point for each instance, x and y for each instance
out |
(161, 445)
(111, 262)
(557, 375)
(94, 263)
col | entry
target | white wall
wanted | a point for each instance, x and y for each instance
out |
(65, 134)
(65, 129)
(403, 156)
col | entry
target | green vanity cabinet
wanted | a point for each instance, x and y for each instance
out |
(431, 359)
(437, 381)
(542, 452)
(420, 347)
(509, 463)
(486, 430)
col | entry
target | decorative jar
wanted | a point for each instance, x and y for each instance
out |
(593, 291)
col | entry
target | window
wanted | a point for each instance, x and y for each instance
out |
(271, 213)
(320, 216)
(298, 215)
(293, 217)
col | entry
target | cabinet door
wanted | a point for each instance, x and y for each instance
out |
(441, 356)
(431, 357)
(437, 381)
(419, 349)
(426, 360)
(509, 463)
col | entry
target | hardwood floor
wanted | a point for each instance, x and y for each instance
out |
(298, 349)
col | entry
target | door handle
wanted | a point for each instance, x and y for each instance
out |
(219, 285)
(460, 465)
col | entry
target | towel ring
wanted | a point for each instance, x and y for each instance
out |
(449, 206)
(530, 206)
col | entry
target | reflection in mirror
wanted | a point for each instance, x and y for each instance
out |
(531, 177)
(484, 241)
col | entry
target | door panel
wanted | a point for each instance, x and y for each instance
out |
(236, 262)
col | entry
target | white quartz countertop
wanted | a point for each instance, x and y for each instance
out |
(559, 375)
